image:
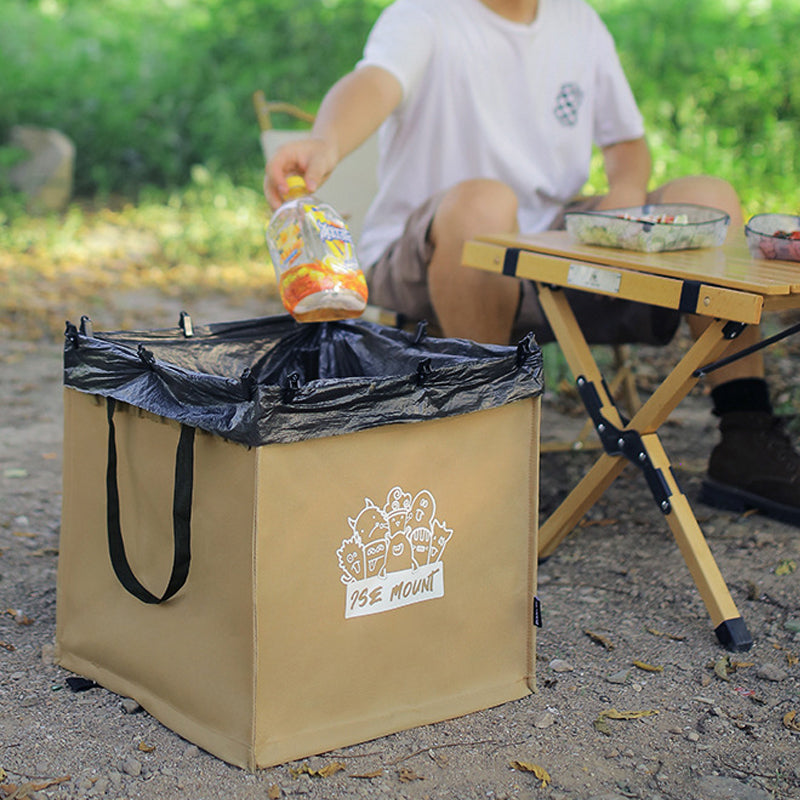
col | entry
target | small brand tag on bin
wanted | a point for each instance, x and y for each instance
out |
(537, 612)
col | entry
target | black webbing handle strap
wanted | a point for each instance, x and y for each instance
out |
(181, 515)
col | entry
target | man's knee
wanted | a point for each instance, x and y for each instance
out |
(474, 207)
(704, 190)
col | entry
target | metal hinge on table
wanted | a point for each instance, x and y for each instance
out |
(627, 443)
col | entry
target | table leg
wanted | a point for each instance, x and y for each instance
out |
(639, 443)
(728, 624)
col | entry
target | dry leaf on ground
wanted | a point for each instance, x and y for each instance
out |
(13, 792)
(540, 772)
(19, 617)
(791, 722)
(323, 772)
(602, 725)
(600, 639)
(377, 773)
(612, 713)
(674, 636)
(786, 567)
(722, 668)
(647, 667)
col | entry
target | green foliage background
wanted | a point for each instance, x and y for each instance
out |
(719, 85)
(148, 88)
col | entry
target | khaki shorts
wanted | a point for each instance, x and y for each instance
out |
(398, 281)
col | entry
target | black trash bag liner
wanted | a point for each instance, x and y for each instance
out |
(268, 380)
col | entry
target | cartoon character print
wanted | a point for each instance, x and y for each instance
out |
(372, 529)
(422, 510)
(401, 535)
(351, 559)
(396, 511)
(440, 536)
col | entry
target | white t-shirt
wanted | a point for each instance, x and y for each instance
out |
(485, 97)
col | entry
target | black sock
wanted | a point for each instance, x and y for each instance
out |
(742, 394)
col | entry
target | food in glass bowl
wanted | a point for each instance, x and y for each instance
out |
(651, 228)
(774, 236)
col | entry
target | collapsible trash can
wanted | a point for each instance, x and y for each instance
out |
(281, 539)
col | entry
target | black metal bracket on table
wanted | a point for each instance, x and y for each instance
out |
(627, 443)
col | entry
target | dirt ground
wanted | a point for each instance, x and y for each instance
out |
(624, 630)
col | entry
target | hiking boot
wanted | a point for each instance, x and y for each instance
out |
(754, 467)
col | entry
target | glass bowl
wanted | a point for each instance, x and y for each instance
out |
(650, 228)
(767, 236)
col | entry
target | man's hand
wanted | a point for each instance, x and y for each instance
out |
(351, 111)
(313, 159)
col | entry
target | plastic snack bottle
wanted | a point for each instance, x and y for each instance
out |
(315, 263)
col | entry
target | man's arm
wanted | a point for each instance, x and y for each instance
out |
(351, 111)
(627, 165)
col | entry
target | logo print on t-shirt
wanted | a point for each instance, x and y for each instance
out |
(568, 102)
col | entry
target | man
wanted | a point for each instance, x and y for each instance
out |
(488, 111)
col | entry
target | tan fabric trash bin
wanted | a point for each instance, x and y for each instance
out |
(324, 591)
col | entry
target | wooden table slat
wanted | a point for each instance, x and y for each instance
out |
(730, 266)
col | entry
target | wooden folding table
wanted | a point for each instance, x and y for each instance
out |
(724, 284)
